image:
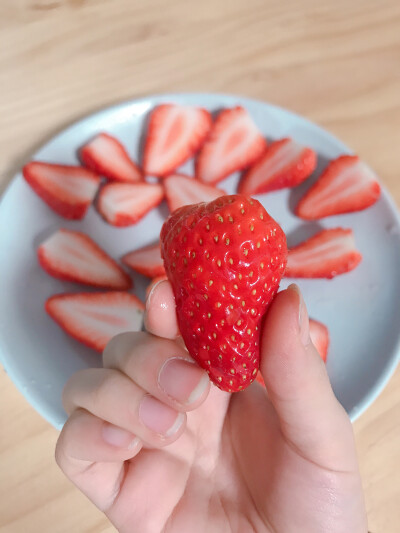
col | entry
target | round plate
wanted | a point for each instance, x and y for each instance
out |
(359, 308)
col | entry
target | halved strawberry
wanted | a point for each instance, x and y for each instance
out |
(154, 282)
(106, 155)
(95, 318)
(319, 335)
(325, 255)
(146, 261)
(234, 144)
(181, 190)
(68, 190)
(284, 164)
(175, 133)
(346, 185)
(124, 204)
(74, 256)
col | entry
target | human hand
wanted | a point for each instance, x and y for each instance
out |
(159, 450)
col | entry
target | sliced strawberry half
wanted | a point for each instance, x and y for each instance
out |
(146, 261)
(124, 204)
(182, 190)
(107, 156)
(319, 335)
(325, 255)
(95, 318)
(68, 190)
(175, 133)
(284, 164)
(234, 144)
(346, 185)
(74, 256)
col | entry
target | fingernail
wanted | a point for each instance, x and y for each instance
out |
(183, 380)
(118, 437)
(158, 417)
(304, 325)
(151, 293)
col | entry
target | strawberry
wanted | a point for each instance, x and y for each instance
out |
(234, 144)
(319, 335)
(181, 190)
(325, 255)
(224, 260)
(94, 318)
(73, 256)
(154, 282)
(105, 155)
(284, 164)
(346, 185)
(146, 261)
(124, 204)
(175, 133)
(68, 190)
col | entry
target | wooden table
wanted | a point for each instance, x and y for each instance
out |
(335, 62)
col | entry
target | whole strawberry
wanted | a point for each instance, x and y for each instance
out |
(225, 260)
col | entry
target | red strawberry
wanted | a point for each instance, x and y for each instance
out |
(105, 155)
(94, 318)
(181, 190)
(234, 144)
(175, 133)
(124, 204)
(73, 256)
(154, 282)
(346, 185)
(325, 255)
(146, 261)
(284, 164)
(224, 260)
(319, 335)
(68, 190)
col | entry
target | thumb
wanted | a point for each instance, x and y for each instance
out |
(311, 419)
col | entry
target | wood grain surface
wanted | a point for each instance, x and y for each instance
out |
(335, 62)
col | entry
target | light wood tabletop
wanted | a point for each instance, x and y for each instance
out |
(335, 62)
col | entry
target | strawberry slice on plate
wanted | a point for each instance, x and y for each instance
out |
(346, 185)
(146, 261)
(182, 190)
(319, 335)
(68, 190)
(234, 144)
(124, 204)
(95, 318)
(175, 133)
(325, 255)
(284, 164)
(105, 155)
(74, 256)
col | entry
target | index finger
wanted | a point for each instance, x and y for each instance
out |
(160, 317)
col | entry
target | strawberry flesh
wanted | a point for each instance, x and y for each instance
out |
(284, 164)
(147, 261)
(95, 318)
(74, 256)
(175, 133)
(346, 185)
(325, 255)
(234, 144)
(224, 260)
(105, 155)
(124, 204)
(182, 190)
(68, 190)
